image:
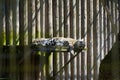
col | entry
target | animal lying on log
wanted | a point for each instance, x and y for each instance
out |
(55, 44)
(43, 44)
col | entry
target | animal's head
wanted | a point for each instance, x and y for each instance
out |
(79, 45)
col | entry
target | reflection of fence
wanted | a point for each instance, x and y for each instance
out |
(21, 21)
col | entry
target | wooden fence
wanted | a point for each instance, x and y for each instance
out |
(21, 21)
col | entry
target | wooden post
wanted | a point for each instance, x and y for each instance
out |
(95, 38)
(22, 36)
(66, 33)
(1, 34)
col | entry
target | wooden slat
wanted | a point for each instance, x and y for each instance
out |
(73, 35)
(89, 39)
(37, 17)
(72, 19)
(42, 18)
(61, 18)
(78, 35)
(105, 32)
(66, 33)
(29, 22)
(95, 39)
(55, 15)
(66, 18)
(13, 54)
(83, 25)
(102, 47)
(1, 34)
(22, 32)
(48, 18)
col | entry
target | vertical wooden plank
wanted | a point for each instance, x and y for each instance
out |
(67, 68)
(102, 40)
(15, 21)
(108, 26)
(89, 39)
(61, 28)
(42, 17)
(66, 18)
(29, 22)
(55, 65)
(114, 16)
(55, 19)
(61, 33)
(55, 34)
(78, 19)
(8, 22)
(72, 34)
(119, 25)
(8, 34)
(2, 15)
(29, 18)
(37, 35)
(79, 67)
(83, 36)
(61, 17)
(105, 31)
(114, 26)
(34, 30)
(78, 36)
(13, 54)
(21, 22)
(92, 38)
(27, 67)
(48, 18)
(95, 38)
(119, 15)
(48, 33)
(98, 34)
(37, 17)
(42, 27)
(11, 51)
(82, 33)
(72, 18)
(38, 66)
(66, 34)
(61, 59)
(22, 25)
(43, 70)
(82, 18)
(85, 39)
(33, 19)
